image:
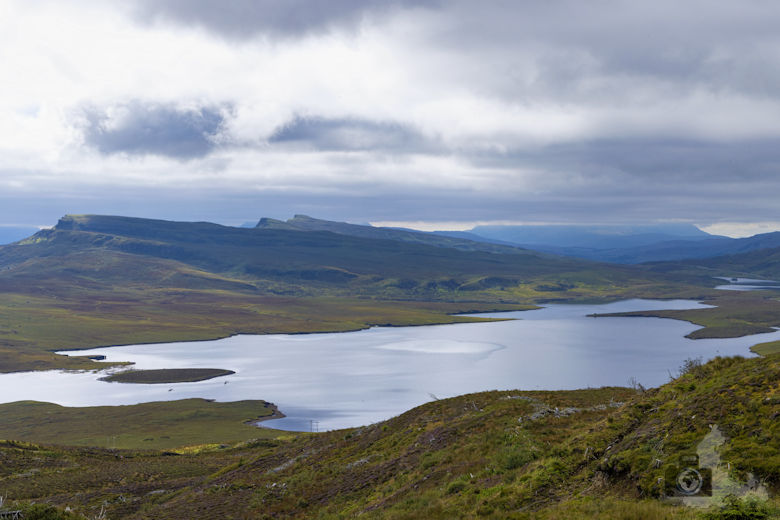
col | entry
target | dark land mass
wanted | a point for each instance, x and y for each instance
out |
(603, 454)
(166, 375)
(464, 242)
(764, 263)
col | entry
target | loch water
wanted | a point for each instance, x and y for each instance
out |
(336, 380)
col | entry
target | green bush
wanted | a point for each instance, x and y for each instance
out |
(47, 512)
(456, 487)
(734, 508)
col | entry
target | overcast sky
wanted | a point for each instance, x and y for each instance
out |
(437, 113)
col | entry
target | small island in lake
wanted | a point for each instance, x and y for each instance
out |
(166, 375)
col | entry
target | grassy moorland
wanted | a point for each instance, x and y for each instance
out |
(766, 349)
(763, 263)
(591, 454)
(166, 375)
(95, 281)
(156, 425)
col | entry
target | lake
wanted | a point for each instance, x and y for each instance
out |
(336, 380)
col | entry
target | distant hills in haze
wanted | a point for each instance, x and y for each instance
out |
(614, 244)
(624, 244)
(761, 263)
(301, 256)
(592, 237)
(304, 255)
(463, 243)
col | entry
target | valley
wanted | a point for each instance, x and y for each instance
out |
(389, 260)
(99, 281)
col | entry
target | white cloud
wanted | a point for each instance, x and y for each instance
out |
(741, 229)
(540, 112)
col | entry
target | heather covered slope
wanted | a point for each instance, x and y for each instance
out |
(595, 454)
(506, 454)
(764, 263)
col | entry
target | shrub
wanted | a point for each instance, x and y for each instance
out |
(690, 366)
(47, 512)
(734, 508)
(456, 487)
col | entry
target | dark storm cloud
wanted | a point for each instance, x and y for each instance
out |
(349, 134)
(248, 18)
(139, 128)
(672, 161)
(602, 52)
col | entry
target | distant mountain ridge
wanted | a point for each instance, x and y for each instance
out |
(593, 237)
(627, 245)
(464, 243)
(303, 255)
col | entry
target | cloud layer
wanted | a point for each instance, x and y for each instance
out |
(240, 19)
(347, 134)
(453, 111)
(137, 128)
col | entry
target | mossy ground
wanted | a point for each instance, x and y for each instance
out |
(156, 425)
(550, 455)
(766, 349)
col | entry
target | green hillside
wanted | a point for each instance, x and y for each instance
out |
(592, 454)
(306, 223)
(764, 263)
(157, 425)
(252, 259)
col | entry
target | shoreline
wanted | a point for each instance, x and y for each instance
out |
(276, 413)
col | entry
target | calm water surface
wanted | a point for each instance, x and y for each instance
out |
(356, 378)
